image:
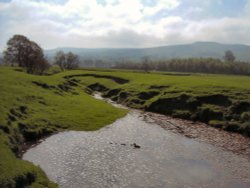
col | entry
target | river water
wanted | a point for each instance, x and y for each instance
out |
(108, 158)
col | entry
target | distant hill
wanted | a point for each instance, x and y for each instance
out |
(198, 49)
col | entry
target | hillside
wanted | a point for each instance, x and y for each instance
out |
(198, 49)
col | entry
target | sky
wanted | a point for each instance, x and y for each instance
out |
(124, 23)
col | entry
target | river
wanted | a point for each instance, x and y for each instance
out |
(134, 153)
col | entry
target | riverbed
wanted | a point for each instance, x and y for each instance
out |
(133, 152)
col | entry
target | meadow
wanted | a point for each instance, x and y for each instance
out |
(33, 107)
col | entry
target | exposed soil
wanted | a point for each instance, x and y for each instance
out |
(217, 99)
(115, 79)
(112, 93)
(158, 87)
(147, 95)
(195, 130)
(43, 85)
(98, 87)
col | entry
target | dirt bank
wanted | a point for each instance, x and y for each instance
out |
(200, 131)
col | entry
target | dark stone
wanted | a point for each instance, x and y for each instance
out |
(135, 146)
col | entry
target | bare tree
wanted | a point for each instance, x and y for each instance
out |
(229, 56)
(41, 66)
(145, 64)
(72, 61)
(60, 60)
(66, 61)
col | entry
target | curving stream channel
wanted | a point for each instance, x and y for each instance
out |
(133, 153)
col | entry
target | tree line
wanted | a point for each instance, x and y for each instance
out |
(29, 55)
(199, 65)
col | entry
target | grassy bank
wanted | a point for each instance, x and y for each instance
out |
(35, 106)
(222, 101)
(30, 111)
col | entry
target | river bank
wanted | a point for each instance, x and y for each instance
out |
(36, 106)
(201, 132)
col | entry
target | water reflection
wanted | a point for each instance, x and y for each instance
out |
(106, 158)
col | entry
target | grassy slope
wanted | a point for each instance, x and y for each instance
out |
(220, 100)
(29, 112)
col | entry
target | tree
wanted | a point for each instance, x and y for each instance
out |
(25, 53)
(41, 66)
(66, 61)
(60, 60)
(145, 64)
(229, 56)
(72, 61)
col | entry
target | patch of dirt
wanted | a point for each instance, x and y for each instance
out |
(147, 95)
(115, 79)
(176, 74)
(111, 93)
(65, 87)
(123, 95)
(218, 99)
(167, 105)
(202, 132)
(17, 113)
(158, 87)
(240, 107)
(43, 85)
(97, 87)
(137, 101)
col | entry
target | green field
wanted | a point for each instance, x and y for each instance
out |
(36, 106)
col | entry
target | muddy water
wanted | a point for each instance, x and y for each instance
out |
(108, 158)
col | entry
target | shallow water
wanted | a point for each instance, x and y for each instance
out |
(105, 158)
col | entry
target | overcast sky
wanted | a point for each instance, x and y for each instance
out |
(124, 23)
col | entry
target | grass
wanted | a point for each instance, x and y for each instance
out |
(29, 112)
(199, 97)
(35, 106)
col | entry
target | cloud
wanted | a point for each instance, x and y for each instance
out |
(121, 23)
